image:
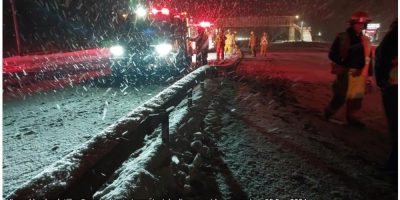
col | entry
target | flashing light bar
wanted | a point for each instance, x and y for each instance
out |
(164, 11)
(205, 24)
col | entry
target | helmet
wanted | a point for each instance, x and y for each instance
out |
(360, 17)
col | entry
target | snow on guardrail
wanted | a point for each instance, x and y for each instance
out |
(58, 178)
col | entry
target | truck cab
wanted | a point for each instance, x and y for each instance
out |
(148, 49)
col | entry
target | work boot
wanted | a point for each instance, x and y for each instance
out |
(355, 122)
(327, 114)
(353, 107)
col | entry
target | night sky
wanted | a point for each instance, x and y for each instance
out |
(327, 16)
(72, 20)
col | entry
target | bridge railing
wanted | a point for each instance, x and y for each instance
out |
(261, 21)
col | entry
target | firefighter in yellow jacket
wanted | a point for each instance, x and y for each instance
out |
(350, 56)
(228, 43)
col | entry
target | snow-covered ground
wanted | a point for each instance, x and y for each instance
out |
(268, 127)
(42, 128)
(265, 121)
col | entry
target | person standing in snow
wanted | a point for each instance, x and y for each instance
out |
(228, 42)
(264, 44)
(386, 65)
(219, 44)
(233, 41)
(252, 43)
(202, 46)
(350, 56)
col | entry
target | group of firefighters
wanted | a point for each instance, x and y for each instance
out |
(263, 43)
(226, 43)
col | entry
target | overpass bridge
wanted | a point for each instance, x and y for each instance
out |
(268, 21)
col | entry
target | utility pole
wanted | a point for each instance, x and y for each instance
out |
(16, 29)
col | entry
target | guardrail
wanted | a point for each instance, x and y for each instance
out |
(82, 172)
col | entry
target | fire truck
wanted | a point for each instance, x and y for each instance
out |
(151, 46)
(128, 44)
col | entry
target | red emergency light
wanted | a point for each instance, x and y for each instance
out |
(205, 24)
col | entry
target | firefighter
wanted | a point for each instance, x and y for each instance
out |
(264, 44)
(350, 56)
(202, 45)
(219, 44)
(228, 42)
(252, 43)
(234, 47)
(386, 78)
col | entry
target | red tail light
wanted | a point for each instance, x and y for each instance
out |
(164, 11)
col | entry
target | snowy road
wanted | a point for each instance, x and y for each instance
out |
(266, 120)
(40, 129)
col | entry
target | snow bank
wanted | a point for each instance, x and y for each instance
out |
(148, 173)
(54, 180)
(133, 173)
(137, 177)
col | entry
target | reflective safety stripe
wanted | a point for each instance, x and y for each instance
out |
(264, 40)
(367, 52)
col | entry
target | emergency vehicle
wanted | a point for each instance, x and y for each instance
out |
(150, 46)
(140, 44)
